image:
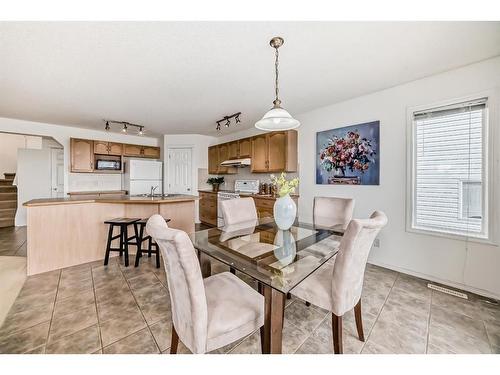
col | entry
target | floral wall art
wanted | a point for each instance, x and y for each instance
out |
(349, 155)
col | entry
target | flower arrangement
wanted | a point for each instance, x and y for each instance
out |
(284, 186)
(351, 152)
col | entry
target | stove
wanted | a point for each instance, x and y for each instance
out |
(240, 186)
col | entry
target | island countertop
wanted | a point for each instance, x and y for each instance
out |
(124, 199)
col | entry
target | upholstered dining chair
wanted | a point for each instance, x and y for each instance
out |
(337, 286)
(238, 210)
(332, 211)
(210, 313)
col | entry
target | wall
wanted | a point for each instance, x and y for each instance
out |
(62, 134)
(199, 144)
(471, 265)
(9, 145)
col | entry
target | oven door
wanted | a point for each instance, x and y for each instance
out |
(223, 197)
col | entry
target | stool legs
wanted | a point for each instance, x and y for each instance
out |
(125, 237)
(108, 246)
(139, 243)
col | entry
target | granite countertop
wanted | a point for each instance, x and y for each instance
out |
(126, 199)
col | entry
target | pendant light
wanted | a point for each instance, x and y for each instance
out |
(277, 118)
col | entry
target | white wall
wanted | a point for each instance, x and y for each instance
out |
(9, 145)
(472, 266)
(199, 144)
(62, 134)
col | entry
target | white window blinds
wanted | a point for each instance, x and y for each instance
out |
(449, 184)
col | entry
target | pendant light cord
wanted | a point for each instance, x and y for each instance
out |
(276, 63)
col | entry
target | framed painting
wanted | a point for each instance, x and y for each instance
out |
(349, 155)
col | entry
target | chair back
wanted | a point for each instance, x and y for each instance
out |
(185, 283)
(350, 261)
(331, 211)
(238, 210)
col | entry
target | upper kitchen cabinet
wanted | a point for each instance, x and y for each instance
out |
(82, 155)
(213, 160)
(245, 148)
(233, 150)
(108, 148)
(275, 152)
(141, 151)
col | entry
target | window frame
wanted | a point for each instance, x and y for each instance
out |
(488, 173)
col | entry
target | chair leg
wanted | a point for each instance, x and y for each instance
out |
(232, 270)
(157, 255)
(138, 239)
(337, 334)
(308, 304)
(175, 341)
(359, 320)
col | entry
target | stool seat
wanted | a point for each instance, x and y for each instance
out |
(122, 221)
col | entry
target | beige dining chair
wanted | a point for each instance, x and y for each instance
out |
(210, 313)
(332, 211)
(238, 210)
(337, 286)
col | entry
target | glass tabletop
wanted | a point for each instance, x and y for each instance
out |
(280, 259)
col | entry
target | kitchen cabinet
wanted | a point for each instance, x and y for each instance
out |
(132, 150)
(233, 150)
(245, 148)
(108, 148)
(208, 208)
(213, 160)
(82, 155)
(216, 155)
(265, 205)
(274, 152)
(151, 152)
(141, 151)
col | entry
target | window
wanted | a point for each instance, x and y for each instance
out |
(449, 189)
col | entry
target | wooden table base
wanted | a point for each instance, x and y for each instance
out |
(273, 320)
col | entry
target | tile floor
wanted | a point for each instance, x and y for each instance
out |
(96, 309)
(13, 241)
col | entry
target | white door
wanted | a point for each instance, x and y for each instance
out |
(179, 171)
(57, 172)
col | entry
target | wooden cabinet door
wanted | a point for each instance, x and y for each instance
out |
(259, 153)
(223, 155)
(213, 160)
(151, 152)
(101, 147)
(208, 208)
(233, 150)
(132, 150)
(82, 155)
(276, 151)
(245, 146)
(115, 149)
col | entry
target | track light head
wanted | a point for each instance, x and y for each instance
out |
(107, 126)
(227, 123)
(141, 131)
(237, 119)
(124, 130)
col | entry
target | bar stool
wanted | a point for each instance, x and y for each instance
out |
(125, 240)
(139, 227)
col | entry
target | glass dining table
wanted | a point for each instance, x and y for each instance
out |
(278, 260)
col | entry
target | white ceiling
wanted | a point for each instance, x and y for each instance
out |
(176, 77)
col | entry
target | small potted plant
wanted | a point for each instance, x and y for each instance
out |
(215, 182)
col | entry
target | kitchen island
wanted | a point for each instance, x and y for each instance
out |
(64, 232)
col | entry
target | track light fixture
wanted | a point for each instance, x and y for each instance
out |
(124, 127)
(227, 120)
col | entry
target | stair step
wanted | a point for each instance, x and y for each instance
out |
(8, 189)
(9, 176)
(6, 223)
(8, 196)
(7, 213)
(4, 182)
(8, 204)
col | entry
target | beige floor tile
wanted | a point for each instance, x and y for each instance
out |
(162, 333)
(143, 280)
(456, 323)
(397, 338)
(68, 324)
(493, 331)
(117, 307)
(85, 341)
(156, 310)
(12, 278)
(451, 303)
(27, 318)
(138, 343)
(303, 316)
(72, 304)
(456, 341)
(39, 350)
(116, 329)
(24, 341)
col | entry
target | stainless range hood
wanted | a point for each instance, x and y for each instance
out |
(240, 163)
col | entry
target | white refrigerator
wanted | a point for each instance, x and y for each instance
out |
(141, 175)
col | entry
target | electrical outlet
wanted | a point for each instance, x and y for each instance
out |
(376, 242)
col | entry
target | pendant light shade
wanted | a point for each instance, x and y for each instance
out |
(277, 118)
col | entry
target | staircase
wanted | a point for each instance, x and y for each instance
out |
(8, 200)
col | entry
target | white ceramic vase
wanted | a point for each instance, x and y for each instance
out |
(284, 211)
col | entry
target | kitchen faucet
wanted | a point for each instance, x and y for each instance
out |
(153, 188)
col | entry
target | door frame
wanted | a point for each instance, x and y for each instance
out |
(194, 171)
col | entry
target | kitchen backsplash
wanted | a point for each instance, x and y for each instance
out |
(243, 174)
(94, 181)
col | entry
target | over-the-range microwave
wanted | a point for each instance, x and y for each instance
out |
(108, 165)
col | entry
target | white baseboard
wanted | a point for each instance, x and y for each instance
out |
(453, 284)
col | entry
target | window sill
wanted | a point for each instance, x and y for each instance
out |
(452, 236)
